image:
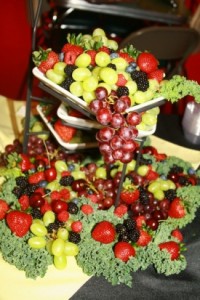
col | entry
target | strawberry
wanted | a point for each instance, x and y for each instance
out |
(64, 194)
(144, 239)
(45, 59)
(147, 62)
(19, 222)
(77, 226)
(176, 209)
(140, 221)
(152, 175)
(87, 209)
(25, 163)
(69, 47)
(126, 56)
(177, 234)
(3, 208)
(36, 177)
(121, 80)
(121, 210)
(104, 49)
(160, 156)
(158, 75)
(172, 248)
(70, 58)
(124, 251)
(55, 195)
(104, 232)
(129, 196)
(65, 132)
(24, 202)
(92, 53)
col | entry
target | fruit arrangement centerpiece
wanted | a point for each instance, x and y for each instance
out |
(120, 210)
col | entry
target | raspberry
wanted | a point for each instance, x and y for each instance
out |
(63, 216)
(87, 209)
(65, 194)
(120, 210)
(77, 226)
(24, 202)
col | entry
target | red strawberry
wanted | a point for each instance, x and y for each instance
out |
(144, 239)
(3, 208)
(124, 251)
(147, 62)
(70, 57)
(158, 74)
(176, 209)
(24, 202)
(104, 232)
(120, 210)
(92, 53)
(177, 234)
(77, 226)
(65, 132)
(55, 195)
(36, 177)
(87, 209)
(121, 80)
(45, 59)
(152, 175)
(25, 163)
(172, 247)
(129, 196)
(19, 222)
(160, 156)
(64, 194)
(140, 221)
(69, 47)
(104, 49)
(126, 56)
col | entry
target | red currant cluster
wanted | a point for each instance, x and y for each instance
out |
(117, 136)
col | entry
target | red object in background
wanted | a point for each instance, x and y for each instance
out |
(15, 33)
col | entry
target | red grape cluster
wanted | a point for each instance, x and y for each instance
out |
(117, 136)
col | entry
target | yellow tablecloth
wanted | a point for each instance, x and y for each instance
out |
(56, 285)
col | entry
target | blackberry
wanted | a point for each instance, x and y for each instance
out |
(36, 213)
(17, 191)
(66, 180)
(170, 194)
(69, 70)
(72, 208)
(142, 83)
(123, 237)
(183, 180)
(122, 91)
(53, 227)
(30, 189)
(136, 74)
(175, 169)
(66, 83)
(112, 66)
(121, 229)
(74, 237)
(144, 197)
(134, 236)
(130, 224)
(21, 181)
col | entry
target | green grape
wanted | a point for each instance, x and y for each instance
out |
(68, 224)
(120, 63)
(153, 111)
(98, 31)
(83, 60)
(143, 127)
(61, 166)
(59, 68)
(49, 246)
(164, 185)
(76, 88)
(149, 94)
(77, 174)
(101, 39)
(58, 247)
(172, 185)
(102, 59)
(139, 97)
(96, 71)
(153, 84)
(149, 119)
(49, 217)
(60, 262)
(37, 242)
(71, 249)
(131, 166)
(108, 75)
(63, 233)
(101, 172)
(90, 84)
(88, 96)
(132, 87)
(37, 221)
(153, 186)
(112, 44)
(81, 74)
(38, 229)
(53, 185)
(143, 170)
(54, 77)
(159, 194)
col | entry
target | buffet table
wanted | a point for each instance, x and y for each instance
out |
(72, 283)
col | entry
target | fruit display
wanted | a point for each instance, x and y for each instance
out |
(116, 209)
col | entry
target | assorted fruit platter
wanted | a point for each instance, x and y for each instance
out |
(117, 209)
